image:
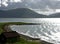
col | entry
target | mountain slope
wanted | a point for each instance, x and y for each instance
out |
(20, 13)
(55, 15)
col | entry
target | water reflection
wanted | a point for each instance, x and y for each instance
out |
(49, 30)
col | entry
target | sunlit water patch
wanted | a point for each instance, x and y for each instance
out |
(46, 31)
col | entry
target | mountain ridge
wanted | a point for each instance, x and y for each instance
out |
(25, 13)
(55, 15)
(20, 13)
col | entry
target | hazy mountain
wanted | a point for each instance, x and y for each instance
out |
(20, 13)
(55, 15)
(25, 13)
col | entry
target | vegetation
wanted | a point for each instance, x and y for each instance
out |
(22, 41)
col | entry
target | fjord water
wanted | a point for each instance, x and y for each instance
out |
(48, 30)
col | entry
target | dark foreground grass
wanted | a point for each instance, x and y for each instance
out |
(22, 41)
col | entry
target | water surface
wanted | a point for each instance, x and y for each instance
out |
(49, 30)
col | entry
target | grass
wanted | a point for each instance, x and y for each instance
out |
(22, 41)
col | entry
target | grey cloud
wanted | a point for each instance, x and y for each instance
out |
(36, 4)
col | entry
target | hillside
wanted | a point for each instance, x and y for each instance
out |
(55, 15)
(25, 13)
(20, 13)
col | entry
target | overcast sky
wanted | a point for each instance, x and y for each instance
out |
(36, 5)
(31, 3)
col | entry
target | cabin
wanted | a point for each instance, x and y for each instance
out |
(9, 37)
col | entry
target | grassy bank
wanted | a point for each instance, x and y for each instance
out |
(22, 41)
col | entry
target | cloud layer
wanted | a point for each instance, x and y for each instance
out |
(35, 4)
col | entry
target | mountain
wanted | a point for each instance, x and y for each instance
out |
(55, 15)
(20, 13)
(25, 13)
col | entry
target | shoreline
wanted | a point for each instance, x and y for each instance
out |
(29, 38)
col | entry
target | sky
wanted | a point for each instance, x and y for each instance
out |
(4, 2)
(43, 5)
(30, 3)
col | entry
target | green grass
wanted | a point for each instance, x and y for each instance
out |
(1, 26)
(22, 41)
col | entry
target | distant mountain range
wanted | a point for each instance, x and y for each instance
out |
(20, 13)
(55, 15)
(24, 13)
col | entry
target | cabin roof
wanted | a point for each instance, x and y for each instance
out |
(10, 34)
